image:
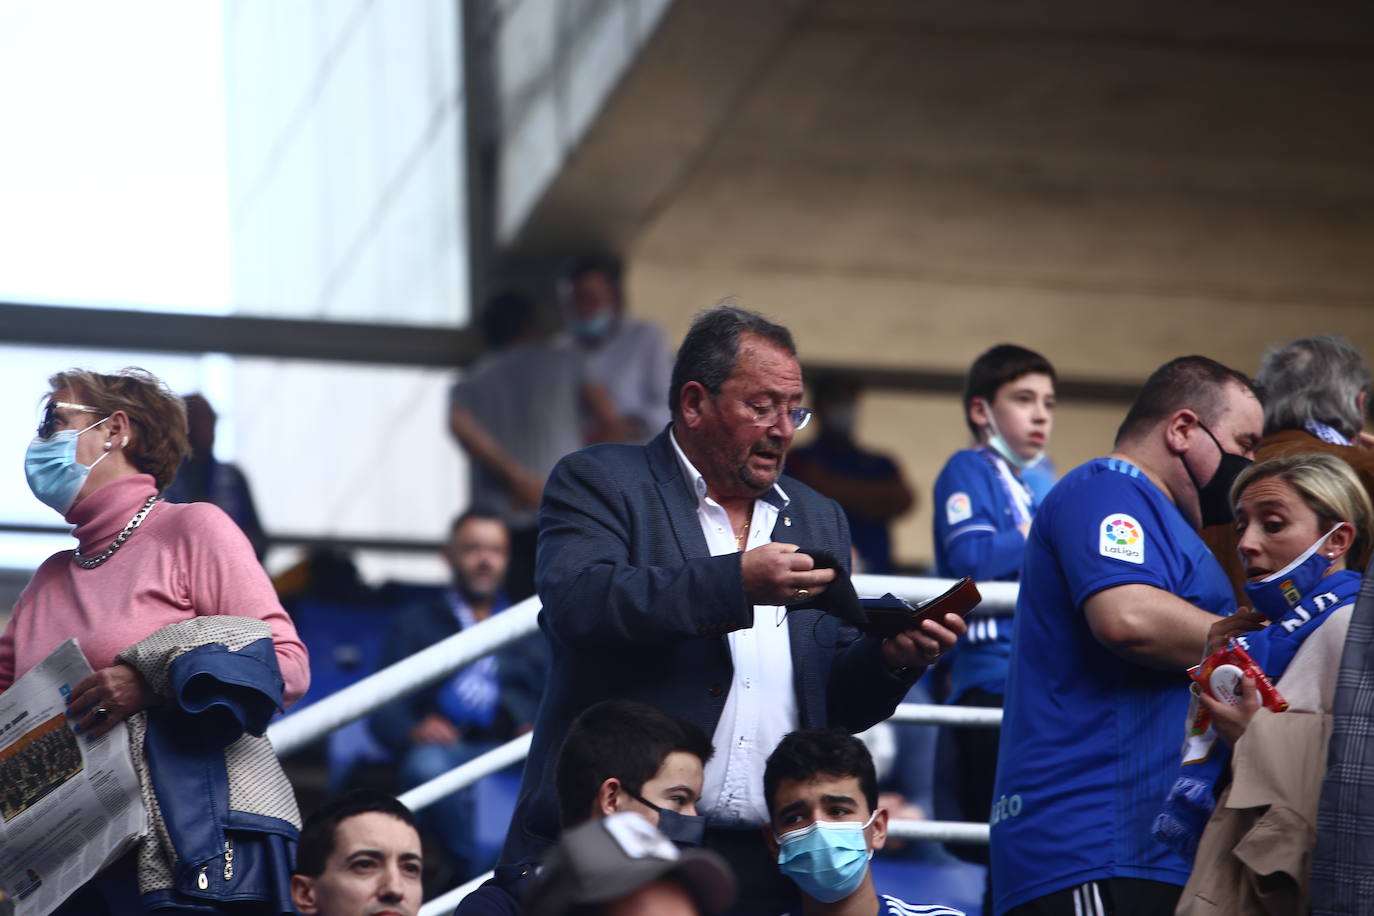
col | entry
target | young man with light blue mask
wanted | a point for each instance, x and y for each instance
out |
(822, 795)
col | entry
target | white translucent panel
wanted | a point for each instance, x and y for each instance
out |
(348, 204)
(344, 450)
(28, 551)
(113, 170)
(599, 50)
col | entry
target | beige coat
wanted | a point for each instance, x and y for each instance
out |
(1255, 856)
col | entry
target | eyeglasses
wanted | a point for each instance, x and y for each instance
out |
(48, 425)
(771, 413)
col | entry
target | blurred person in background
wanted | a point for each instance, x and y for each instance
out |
(519, 409)
(1301, 520)
(202, 478)
(1315, 392)
(151, 581)
(871, 489)
(480, 706)
(1117, 595)
(869, 486)
(983, 512)
(627, 357)
(359, 855)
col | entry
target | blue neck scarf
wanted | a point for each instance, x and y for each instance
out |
(1296, 600)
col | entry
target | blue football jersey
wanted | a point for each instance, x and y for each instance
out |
(976, 534)
(1090, 742)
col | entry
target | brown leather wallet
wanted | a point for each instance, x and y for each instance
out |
(890, 615)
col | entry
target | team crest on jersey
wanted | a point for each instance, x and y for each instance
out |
(1290, 593)
(1121, 537)
(958, 508)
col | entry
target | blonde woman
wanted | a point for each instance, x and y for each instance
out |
(1303, 522)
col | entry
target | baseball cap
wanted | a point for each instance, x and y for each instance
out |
(612, 857)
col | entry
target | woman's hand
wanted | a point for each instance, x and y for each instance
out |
(117, 691)
(1228, 627)
(1229, 721)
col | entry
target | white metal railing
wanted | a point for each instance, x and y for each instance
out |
(430, 665)
(965, 716)
(447, 656)
(426, 667)
(498, 758)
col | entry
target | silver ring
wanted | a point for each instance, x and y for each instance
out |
(102, 713)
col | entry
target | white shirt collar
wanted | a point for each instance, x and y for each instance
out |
(698, 483)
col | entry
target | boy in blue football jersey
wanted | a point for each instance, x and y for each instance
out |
(983, 509)
(1117, 594)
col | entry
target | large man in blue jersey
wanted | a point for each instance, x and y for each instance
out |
(1117, 594)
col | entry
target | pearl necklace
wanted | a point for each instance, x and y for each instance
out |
(139, 516)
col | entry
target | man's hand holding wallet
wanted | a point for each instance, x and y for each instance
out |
(785, 574)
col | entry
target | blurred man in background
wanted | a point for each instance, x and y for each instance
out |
(627, 357)
(203, 479)
(869, 486)
(480, 706)
(519, 409)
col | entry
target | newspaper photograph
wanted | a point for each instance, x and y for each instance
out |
(69, 806)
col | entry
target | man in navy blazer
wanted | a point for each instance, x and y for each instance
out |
(666, 573)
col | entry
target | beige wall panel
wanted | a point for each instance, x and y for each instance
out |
(877, 320)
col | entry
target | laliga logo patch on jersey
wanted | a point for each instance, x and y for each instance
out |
(958, 508)
(1121, 537)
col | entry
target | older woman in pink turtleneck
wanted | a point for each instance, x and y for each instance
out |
(107, 446)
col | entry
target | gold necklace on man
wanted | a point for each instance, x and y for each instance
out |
(742, 535)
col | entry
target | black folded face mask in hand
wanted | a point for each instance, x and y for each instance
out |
(839, 597)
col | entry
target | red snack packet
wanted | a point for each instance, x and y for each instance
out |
(1220, 675)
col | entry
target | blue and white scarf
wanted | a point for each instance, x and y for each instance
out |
(1193, 796)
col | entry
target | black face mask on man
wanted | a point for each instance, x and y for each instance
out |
(1214, 498)
(682, 829)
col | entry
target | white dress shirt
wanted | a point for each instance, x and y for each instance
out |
(761, 707)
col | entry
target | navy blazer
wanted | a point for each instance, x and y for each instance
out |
(635, 607)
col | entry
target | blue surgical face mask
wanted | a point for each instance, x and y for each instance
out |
(1278, 593)
(999, 444)
(596, 327)
(54, 474)
(826, 859)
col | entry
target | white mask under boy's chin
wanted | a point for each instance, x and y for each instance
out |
(998, 443)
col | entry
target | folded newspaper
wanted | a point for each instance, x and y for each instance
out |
(68, 806)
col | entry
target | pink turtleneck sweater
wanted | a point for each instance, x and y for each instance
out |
(184, 560)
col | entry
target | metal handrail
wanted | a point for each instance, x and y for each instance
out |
(431, 665)
(294, 732)
(428, 666)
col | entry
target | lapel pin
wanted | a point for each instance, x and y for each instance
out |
(787, 520)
